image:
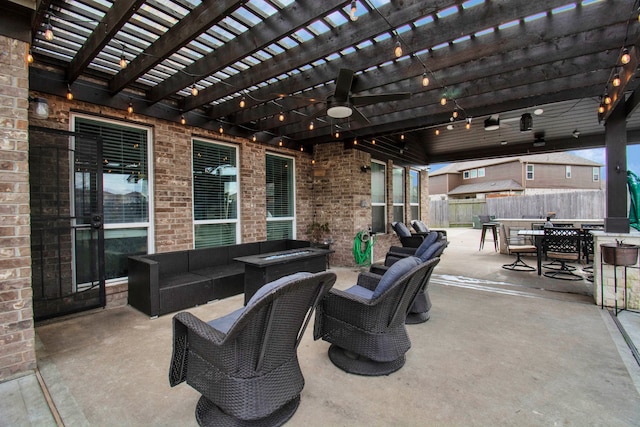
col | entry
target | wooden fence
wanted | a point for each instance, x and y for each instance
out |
(574, 205)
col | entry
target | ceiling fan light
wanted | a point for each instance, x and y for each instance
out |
(339, 111)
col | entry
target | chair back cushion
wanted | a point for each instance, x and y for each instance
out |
(419, 226)
(434, 250)
(401, 229)
(429, 240)
(394, 272)
(271, 286)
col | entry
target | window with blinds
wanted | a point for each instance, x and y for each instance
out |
(398, 193)
(126, 187)
(378, 197)
(414, 193)
(280, 197)
(215, 193)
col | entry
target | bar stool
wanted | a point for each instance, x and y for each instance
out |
(494, 229)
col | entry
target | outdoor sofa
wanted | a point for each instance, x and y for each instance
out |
(166, 282)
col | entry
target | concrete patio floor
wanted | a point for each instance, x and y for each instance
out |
(501, 348)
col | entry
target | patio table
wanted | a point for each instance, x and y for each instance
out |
(538, 235)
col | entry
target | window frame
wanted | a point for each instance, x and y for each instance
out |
(414, 204)
(291, 218)
(529, 174)
(235, 221)
(382, 204)
(398, 204)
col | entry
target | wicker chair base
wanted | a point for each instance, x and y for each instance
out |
(209, 414)
(415, 318)
(361, 365)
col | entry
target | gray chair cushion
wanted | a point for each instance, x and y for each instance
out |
(224, 323)
(360, 291)
(401, 229)
(419, 226)
(271, 286)
(429, 240)
(431, 251)
(394, 273)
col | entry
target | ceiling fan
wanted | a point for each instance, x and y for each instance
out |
(343, 103)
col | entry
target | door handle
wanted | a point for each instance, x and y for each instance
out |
(96, 221)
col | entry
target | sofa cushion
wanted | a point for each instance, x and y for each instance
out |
(171, 263)
(401, 229)
(271, 286)
(394, 272)
(208, 257)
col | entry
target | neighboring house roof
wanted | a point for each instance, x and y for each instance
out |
(487, 187)
(562, 158)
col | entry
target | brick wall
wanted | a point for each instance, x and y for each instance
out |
(17, 353)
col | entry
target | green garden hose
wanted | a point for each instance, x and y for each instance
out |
(362, 245)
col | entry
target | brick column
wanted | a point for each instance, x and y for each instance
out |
(17, 352)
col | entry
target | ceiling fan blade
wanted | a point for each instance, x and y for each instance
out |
(343, 85)
(358, 116)
(380, 97)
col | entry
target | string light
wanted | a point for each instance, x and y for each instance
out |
(254, 138)
(352, 13)
(355, 141)
(302, 148)
(616, 80)
(455, 114)
(280, 143)
(130, 108)
(398, 49)
(48, 32)
(468, 125)
(443, 100)
(183, 121)
(243, 102)
(311, 125)
(221, 130)
(337, 133)
(626, 57)
(402, 137)
(69, 94)
(607, 98)
(425, 79)
(281, 117)
(373, 142)
(437, 132)
(194, 90)
(29, 57)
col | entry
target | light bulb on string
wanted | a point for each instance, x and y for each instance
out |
(221, 130)
(243, 102)
(29, 57)
(425, 79)
(194, 90)
(281, 117)
(130, 108)
(468, 125)
(352, 12)
(625, 58)
(69, 93)
(398, 49)
(437, 132)
(254, 138)
(183, 121)
(48, 32)
(607, 98)
(455, 114)
(311, 125)
(616, 80)
(443, 101)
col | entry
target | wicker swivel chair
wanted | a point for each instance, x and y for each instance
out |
(563, 244)
(516, 245)
(407, 239)
(366, 323)
(433, 246)
(245, 364)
